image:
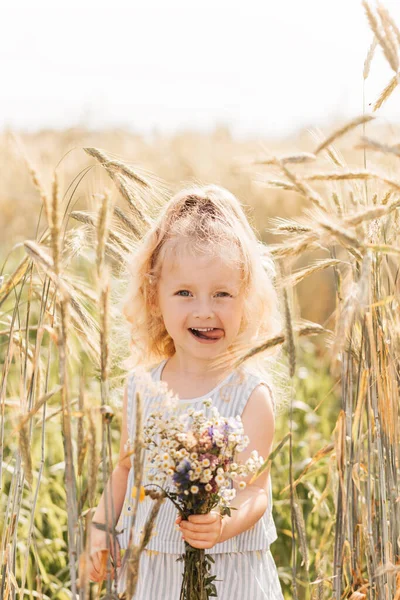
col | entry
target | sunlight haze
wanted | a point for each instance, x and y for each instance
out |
(258, 67)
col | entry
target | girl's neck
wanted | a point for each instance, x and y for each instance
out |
(187, 367)
(190, 379)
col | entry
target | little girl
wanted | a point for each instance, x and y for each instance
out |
(200, 295)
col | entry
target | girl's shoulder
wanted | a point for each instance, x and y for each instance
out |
(139, 370)
(144, 379)
(246, 380)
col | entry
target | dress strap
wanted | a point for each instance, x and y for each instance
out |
(253, 381)
(130, 400)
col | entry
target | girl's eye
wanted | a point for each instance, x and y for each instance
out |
(184, 293)
(224, 294)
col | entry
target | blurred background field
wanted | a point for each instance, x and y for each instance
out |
(187, 157)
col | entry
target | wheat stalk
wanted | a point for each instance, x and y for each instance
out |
(361, 174)
(84, 217)
(301, 158)
(386, 92)
(126, 221)
(387, 23)
(102, 232)
(388, 50)
(55, 226)
(117, 171)
(369, 57)
(275, 183)
(287, 225)
(117, 165)
(371, 144)
(342, 131)
(295, 278)
(372, 213)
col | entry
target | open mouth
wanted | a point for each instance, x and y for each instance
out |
(207, 333)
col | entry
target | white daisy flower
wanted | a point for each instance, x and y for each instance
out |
(219, 480)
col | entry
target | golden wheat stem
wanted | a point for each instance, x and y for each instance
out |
(55, 225)
(298, 276)
(102, 231)
(389, 35)
(369, 57)
(371, 144)
(386, 92)
(303, 157)
(84, 217)
(302, 187)
(390, 55)
(342, 131)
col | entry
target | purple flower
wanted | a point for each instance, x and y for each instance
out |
(181, 476)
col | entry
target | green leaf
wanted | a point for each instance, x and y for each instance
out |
(210, 558)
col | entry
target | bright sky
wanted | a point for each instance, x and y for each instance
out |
(261, 67)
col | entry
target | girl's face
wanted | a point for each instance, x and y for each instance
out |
(201, 302)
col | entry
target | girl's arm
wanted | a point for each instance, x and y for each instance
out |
(116, 485)
(204, 531)
(95, 568)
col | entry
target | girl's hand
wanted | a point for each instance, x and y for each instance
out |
(202, 531)
(96, 564)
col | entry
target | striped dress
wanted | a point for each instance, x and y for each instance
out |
(244, 565)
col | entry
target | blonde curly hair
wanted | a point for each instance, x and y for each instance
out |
(200, 219)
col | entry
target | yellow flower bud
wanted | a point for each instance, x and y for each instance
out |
(142, 493)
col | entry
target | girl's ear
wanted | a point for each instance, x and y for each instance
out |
(152, 294)
(150, 278)
(154, 304)
(155, 308)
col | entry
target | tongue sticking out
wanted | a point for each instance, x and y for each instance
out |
(214, 334)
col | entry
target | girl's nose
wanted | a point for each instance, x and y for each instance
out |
(203, 311)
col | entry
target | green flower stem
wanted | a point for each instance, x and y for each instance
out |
(197, 583)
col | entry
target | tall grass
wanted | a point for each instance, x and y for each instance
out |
(359, 229)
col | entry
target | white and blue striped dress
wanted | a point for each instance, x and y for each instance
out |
(244, 565)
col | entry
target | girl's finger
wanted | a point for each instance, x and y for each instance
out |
(99, 575)
(188, 526)
(197, 537)
(206, 518)
(199, 544)
(96, 564)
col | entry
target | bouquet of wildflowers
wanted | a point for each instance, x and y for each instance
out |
(197, 452)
